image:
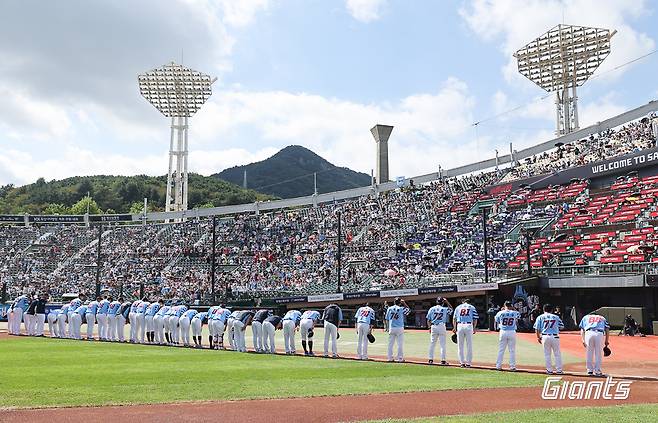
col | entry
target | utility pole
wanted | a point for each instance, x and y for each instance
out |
(315, 183)
(338, 255)
(212, 261)
(98, 260)
(486, 245)
(527, 251)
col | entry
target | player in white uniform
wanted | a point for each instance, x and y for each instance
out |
(197, 328)
(242, 320)
(290, 326)
(102, 318)
(160, 325)
(270, 325)
(507, 320)
(184, 322)
(90, 317)
(437, 317)
(309, 318)
(332, 316)
(174, 322)
(112, 311)
(140, 317)
(365, 321)
(76, 322)
(229, 329)
(217, 323)
(53, 329)
(149, 320)
(122, 316)
(465, 321)
(595, 333)
(395, 316)
(132, 319)
(15, 314)
(73, 306)
(257, 328)
(547, 328)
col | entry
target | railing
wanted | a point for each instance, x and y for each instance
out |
(600, 269)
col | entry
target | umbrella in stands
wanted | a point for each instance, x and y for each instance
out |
(390, 273)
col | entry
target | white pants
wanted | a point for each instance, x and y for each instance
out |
(594, 342)
(132, 318)
(52, 325)
(289, 335)
(184, 323)
(61, 324)
(197, 327)
(40, 321)
(29, 323)
(257, 335)
(396, 335)
(159, 328)
(216, 328)
(15, 323)
(69, 334)
(465, 342)
(120, 324)
(148, 322)
(330, 332)
(506, 339)
(102, 321)
(111, 327)
(239, 332)
(229, 330)
(268, 337)
(552, 344)
(74, 326)
(362, 331)
(174, 329)
(141, 327)
(91, 320)
(304, 326)
(438, 332)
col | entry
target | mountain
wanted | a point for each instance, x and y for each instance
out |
(117, 194)
(289, 173)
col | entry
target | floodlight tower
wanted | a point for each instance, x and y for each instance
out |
(178, 93)
(561, 60)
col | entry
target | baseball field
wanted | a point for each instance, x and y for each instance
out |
(151, 383)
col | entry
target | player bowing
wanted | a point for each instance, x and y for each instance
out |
(593, 329)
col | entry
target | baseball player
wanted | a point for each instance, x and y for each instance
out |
(122, 318)
(61, 320)
(140, 318)
(395, 316)
(219, 322)
(132, 319)
(437, 318)
(365, 321)
(547, 328)
(112, 312)
(595, 333)
(149, 316)
(270, 325)
(257, 328)
(242, 320)
(290, 325)
(210, 317)
(73, 306)
(229, 328)
(102, 318)
(40, 313)
(465, 321)
(92, 309)
(309, 318)
(174, 322)
(184, 322)
(507, 320)
(15, 314)
(53, 328)
(77, 318)
(332, 317)
(159, 325)
(197, 328)
(29, 317)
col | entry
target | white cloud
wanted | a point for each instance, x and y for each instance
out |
(513, 24)
(365, 10)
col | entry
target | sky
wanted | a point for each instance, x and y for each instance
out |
(317, 73)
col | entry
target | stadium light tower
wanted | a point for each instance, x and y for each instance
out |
(561, 60)
(178, 93)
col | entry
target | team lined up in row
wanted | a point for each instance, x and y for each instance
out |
(157, 323)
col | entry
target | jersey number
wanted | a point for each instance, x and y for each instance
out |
(549, 323)
(395, 316)
(507, 321)
(464, 312)
(594, 319)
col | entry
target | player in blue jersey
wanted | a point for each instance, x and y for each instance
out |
(159, 325)
(197, 328)
(149, 316)
(270, 325)
(112, 312)
(140, 317)
(132, 319)
(437, 318)
(257, 328)
(306, 325)
(76, 321)
(122, 317)
(229, 328)
(395, 316)
(547, 328)
(184, 322)
(365, 321)
(507, 320)
(174, 322)
(102, 318)
(62, 320)
(90, 317)
(15, 314)
(52, 323)
(465, 321)
(290, 325)
(595, 334)
(242, 320)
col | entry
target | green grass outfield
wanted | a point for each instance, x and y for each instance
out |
(43, 372)
(620, 413)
